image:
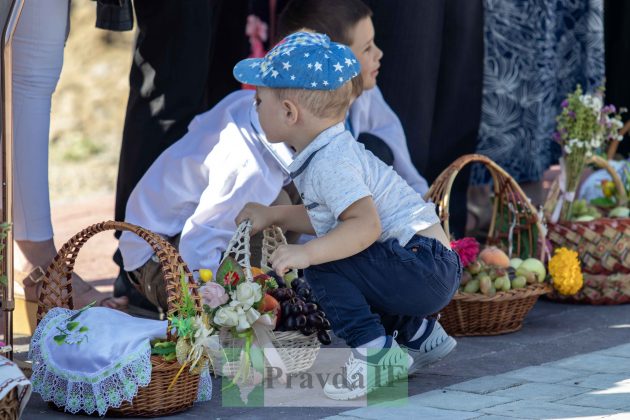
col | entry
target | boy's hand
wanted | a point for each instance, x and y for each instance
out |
(286, 257)
(261, 216)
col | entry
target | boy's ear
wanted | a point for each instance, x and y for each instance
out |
(291, 112)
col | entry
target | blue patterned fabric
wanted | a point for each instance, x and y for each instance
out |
(536, 51)
(302, 60)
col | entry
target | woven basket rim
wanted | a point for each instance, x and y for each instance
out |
(512, 294)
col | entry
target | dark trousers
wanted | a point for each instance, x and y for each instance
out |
(431, 76)
(386, 287)
(617, 43)
(170, 79)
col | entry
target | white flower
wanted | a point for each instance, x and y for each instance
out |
(247, 294)
(567, 149)
(226, 316)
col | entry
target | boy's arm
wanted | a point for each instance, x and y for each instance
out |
(359, 228)
(288, 217)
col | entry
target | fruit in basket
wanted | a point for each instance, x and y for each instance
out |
(472, 286)
(519, 282)
(324, 337)
(268, 304)
(485, 283)
(493, 256)
(620, 212)
(515, 263)
(532, 265)
(502, 283)
(474, 267)
(466, 277)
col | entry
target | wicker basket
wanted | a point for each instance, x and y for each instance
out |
(603, 246)
(515, 227)
(297, 351)
(155, 399)
(10, 406)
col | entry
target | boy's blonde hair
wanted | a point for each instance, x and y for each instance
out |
(325, 103)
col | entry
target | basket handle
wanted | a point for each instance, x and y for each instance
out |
(440, 191)
(621, 189)
(238, 247)
(57, 285)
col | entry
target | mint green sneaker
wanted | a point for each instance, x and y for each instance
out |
(364, 374)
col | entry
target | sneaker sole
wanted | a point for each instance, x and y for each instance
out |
(359, 392)
(431, 357)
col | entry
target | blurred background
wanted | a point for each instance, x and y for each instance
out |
(88, 108)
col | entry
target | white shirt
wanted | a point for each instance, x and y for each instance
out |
(334, 171)
(199, 184)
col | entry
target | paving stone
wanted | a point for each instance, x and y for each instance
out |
(600, 380)
(546, 410)
(540, 392)
(619, 351)
(411, 411)
(486, 384)
(613, 399)
(546, 374)
(455, 400)
(593, 362)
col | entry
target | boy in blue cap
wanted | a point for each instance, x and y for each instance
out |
(380, 250)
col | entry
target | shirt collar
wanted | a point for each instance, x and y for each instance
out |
(322, 140)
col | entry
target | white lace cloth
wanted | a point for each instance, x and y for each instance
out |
(11, 377)
(97, 360)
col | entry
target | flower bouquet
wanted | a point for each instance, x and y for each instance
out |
(598, 229)
(260, 316)
(585, 126)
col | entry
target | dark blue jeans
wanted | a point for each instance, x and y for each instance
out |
(386, 287)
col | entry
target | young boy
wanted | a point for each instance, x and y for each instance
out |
(380, 252)
(198, 185)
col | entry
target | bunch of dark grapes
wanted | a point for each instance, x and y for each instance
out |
(299, 309)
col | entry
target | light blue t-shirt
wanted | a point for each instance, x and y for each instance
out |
(334, 171)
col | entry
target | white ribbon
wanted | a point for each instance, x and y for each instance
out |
(262, 331)
(564, 194)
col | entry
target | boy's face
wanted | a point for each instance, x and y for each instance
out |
(366, 51)
(270, 114)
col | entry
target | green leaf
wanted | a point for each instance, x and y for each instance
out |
(3, 278)
(60, 339)
(83, 329)
(230, 273)
(71, 326)
(604, 202)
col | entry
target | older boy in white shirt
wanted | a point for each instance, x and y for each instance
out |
(380, 250)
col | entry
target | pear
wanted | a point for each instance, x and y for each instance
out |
(485, 283)
(491, 292)
(474, 267)
(466, 277)
(519, 282)
(502, 283)
(472, 286)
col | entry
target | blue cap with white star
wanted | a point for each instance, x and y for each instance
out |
(302, 60)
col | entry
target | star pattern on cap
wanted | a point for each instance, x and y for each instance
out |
(301, 61)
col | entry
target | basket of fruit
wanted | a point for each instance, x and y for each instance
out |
(495, 296)
(281, 317)
(171, 388)
(599, 231)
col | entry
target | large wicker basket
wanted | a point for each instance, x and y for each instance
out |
(155, 399)
(297, 351)
(515, 227)
(603, 246)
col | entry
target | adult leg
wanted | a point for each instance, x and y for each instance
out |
(457, 112)
(37, 62)
(167, 83)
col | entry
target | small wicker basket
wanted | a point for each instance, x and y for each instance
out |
(155, 399)
(515, 227)
(297, 351)
(603, 246)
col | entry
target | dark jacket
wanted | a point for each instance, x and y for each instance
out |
(114, 15)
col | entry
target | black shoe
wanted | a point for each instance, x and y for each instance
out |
(138, 304)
